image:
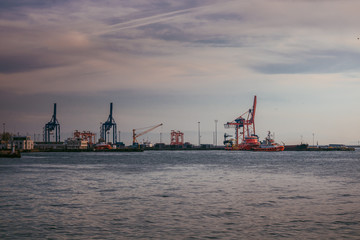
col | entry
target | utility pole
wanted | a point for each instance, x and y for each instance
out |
(3, 135)
(100, 132)
(199, 132)
(216, 121)
(313, 139)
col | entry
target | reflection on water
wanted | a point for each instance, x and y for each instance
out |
(181, 195)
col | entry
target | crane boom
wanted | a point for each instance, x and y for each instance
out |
(253, 111)
(135, 136)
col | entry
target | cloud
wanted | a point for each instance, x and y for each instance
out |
(165, 60)
(320, 62)
(12, 64)
(27, 46)
(9, 4)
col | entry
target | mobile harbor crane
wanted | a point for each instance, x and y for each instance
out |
(145, 130)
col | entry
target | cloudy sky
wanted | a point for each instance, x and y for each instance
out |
(180, 63)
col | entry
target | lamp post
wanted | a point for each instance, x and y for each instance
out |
(199, 132)
(313, 139)
(216, 121)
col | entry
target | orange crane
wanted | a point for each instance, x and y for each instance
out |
(85, 136)
(148, 129)
(177, 138)
(244, 127)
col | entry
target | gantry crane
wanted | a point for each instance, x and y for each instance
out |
(177, 138)
(146, 130)
(106, 126)
(244, 124)
(51, 126)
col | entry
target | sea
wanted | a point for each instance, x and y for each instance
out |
(181, 195)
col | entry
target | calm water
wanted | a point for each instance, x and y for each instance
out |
(181, 195)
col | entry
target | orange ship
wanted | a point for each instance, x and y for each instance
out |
(269, 145)
(102, 146)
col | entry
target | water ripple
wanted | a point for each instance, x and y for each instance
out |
(181, 195)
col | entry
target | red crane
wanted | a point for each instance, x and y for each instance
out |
(177, 138)
(244, 129)
(85, 136)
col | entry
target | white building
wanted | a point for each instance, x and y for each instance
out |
(23, 143)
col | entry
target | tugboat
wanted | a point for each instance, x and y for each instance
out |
(269, 145)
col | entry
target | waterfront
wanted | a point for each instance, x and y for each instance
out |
(181, 195)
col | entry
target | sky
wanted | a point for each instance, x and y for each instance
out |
(180, 63)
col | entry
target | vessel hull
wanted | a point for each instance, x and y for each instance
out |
(269, 149)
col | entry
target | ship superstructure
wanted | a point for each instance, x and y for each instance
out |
(269, 145)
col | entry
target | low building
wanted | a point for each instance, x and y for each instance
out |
(76, 143)
(159, 146)
(49, 145)
(188, 145)
(120, 145)
(23, 143)
(206, 146)
(336, 145)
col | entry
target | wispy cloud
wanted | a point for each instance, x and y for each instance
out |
(144, 21)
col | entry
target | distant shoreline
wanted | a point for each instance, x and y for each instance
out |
(345, 148)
